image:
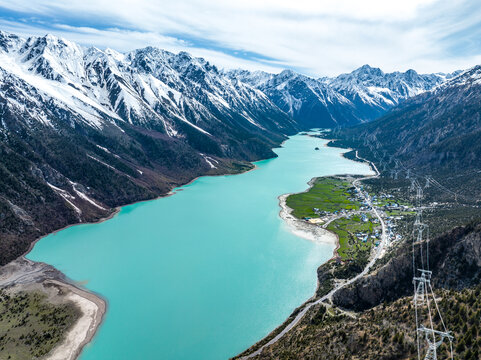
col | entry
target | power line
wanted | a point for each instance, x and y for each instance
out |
(427, 337)
(424, 296)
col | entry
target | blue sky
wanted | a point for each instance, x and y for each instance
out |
(317, 38)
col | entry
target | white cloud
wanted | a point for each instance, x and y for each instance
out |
(127, 40)
(317, 37)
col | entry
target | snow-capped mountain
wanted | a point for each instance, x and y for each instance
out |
(373, 92)
(83, 130)
(360, 96)
(436, 131)
(312, 103)
(148, 87)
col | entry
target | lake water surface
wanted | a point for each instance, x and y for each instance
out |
(205, 273)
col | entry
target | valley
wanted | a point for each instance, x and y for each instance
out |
(203, 257)
(128, 145)
(86, 130)
(361, 320)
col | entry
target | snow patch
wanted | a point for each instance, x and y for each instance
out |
(104, 149)
(209, 160)
(67, 197)
(85, 197)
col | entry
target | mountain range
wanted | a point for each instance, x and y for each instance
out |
(360, 96)
(436, 133)
(84, 130)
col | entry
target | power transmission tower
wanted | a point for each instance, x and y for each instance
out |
(427, 183)
(425, 304)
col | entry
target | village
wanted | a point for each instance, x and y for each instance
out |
(345, 210)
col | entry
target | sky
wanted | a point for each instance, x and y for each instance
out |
(317, 38)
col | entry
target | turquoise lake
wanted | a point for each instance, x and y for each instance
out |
(205, 273)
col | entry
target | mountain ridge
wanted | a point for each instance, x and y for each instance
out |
(360, 96)
(436, 130)
(83, 130)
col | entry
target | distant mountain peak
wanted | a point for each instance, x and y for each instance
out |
(50, 38)
(471, 76)
(358, 96)
(288, 73)
(176, 94)
(9, 41)
(368, 70)
(367, 67)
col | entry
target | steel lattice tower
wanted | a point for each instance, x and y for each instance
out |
(425, 303)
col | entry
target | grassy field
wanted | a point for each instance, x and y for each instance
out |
(30, 326)
(349, 245)
(326, 194)
(330, 195)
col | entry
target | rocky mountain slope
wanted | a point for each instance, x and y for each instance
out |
(360, 96)
(385, 332)
(431, 138)
(435, 133)
(455, 262)
(85, 130)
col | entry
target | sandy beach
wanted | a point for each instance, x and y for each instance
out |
(25, 275)
(305, 229)
(93, 309)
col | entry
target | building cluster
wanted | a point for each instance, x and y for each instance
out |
(384, 202)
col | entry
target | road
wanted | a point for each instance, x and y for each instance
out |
(379, 252)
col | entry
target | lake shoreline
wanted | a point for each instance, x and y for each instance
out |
(101, 304)
(311, 231)
(304, 229)
(70, 349)
(299, 227)
(23, 274)
(93, 309)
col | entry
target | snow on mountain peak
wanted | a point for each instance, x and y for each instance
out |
(149, 87)
(160, 88)
(9, 41)
(361, 95)
(366, 71)
(114, 54)
(467, 78)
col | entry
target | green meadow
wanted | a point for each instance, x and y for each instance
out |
(326, 194)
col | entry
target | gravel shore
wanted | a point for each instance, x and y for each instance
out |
(26, 275)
